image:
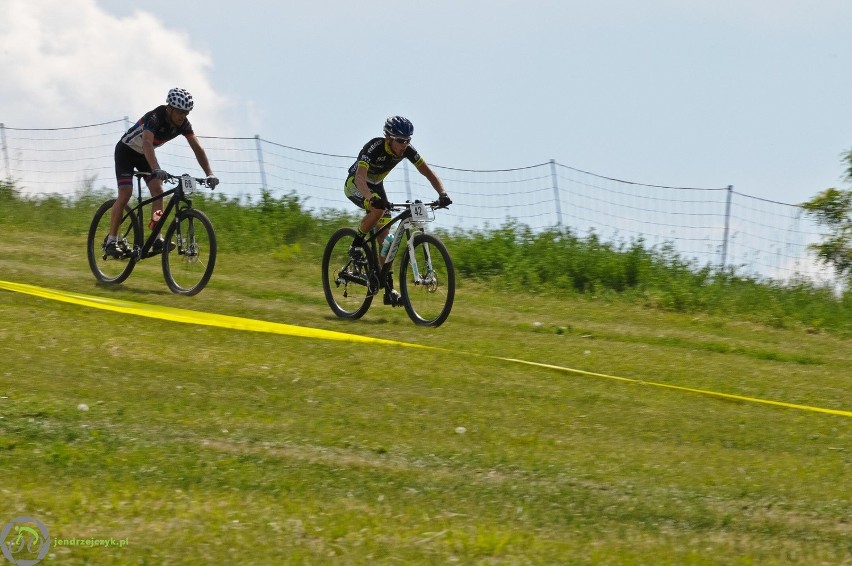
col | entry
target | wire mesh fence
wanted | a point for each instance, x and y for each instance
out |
(714, 226)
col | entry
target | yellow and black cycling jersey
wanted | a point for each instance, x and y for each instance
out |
(379, 160)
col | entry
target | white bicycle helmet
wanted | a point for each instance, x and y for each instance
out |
(180, 99)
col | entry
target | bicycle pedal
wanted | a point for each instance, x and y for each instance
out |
(125, 255)
(393, 299)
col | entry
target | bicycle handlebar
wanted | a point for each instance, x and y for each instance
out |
(173, 179)
(402, 206)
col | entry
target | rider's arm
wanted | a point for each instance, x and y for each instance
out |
(361, 181)
(427, 172)
(200, 154)
(148, 149)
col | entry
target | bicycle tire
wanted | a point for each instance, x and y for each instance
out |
(189, 252)
(428, 297)
(344, 281)
(107, 269)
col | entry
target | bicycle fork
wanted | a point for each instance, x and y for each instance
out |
(429, 279)
(186, 245)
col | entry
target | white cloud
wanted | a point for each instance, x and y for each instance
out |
(68, 62)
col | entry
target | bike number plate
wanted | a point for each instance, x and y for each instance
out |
(187, 183)
(419, 212)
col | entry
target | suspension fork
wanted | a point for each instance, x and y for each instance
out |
(184, 243)
(415, 269)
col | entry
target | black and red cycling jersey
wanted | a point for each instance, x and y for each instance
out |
(129, 155)
(157, 122)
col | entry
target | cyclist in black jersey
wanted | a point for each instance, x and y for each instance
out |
(364, 185)
(135, 151)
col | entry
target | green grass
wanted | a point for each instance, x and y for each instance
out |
(511, 258)
(211, 446)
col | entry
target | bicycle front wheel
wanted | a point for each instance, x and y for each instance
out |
(105, 267)
(346, 280)
(189, 252)
(427, 281)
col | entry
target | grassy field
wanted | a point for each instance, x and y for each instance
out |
(201, 445)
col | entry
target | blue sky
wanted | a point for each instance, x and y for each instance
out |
(752, 93)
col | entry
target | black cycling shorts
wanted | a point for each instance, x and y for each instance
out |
(126, 162)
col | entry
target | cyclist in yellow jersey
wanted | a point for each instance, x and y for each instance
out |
(364, 185)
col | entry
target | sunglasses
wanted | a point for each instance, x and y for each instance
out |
(403, 141)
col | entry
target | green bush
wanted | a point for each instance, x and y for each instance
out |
(511, 257)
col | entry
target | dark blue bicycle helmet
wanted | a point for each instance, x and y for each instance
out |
(399, 127)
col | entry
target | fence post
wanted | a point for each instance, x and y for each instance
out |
(260, 162)
(727, 228)
(556, 192)
(5, 153)
(407, 182)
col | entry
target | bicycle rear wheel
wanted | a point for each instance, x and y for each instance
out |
(189, 252)
(345, 280)
(106, 268)
(427, 281)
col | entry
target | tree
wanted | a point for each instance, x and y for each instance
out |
(832, 208)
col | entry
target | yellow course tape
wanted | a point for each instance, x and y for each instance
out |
(252, 325)
(191, 317)
(690, 389)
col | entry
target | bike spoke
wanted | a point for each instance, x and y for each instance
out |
(105, 267)
(189, 253)
(427, 281)
(345, 279)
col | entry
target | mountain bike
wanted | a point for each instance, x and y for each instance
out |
(352, 276)
(189, 249)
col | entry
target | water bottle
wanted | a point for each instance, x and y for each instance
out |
(154, 219)
(387, 244)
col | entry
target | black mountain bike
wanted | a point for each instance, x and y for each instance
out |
(189, 250)
(351, 277)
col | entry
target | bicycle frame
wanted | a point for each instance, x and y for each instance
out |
(408, 227)
(178, 199)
